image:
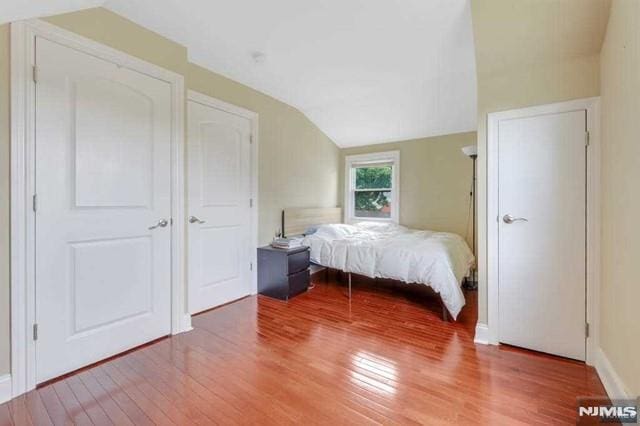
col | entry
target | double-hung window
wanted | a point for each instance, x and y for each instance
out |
(371, 187)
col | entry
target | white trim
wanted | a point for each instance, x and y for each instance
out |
(482, 334)
(592, 106)
(5, 388)
(612, 382)
(255, 126)
(386, 156)
(180, 319)
(23, 36)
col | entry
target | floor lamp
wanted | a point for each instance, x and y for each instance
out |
(471, 151)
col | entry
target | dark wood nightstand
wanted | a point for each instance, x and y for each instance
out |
(283, 273)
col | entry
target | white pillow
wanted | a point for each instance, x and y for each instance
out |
(335, 231)
(378, 226)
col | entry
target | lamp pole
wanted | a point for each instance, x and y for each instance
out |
(471, 151)
(474, 276)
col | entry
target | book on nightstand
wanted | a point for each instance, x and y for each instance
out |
(286, 243)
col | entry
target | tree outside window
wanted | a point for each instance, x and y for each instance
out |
(373, 188)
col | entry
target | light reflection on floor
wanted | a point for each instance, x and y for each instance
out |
(374, 373)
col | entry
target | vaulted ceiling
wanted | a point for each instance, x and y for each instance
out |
(364, 71)
(14, 10)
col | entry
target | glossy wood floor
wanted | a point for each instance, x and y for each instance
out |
(386, 357)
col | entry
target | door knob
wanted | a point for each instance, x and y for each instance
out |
(193, 219)
(507, 218)
(161, 224)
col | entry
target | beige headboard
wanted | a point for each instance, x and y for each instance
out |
(296, 221)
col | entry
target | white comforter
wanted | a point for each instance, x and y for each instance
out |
(437, 259)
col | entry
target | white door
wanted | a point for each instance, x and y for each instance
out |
(542, 178)
(102, 179)
(219, 188)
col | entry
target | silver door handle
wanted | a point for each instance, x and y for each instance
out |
(507, 218)
(161, 224)
(193, 219)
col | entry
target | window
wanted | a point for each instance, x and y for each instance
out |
(371, 191)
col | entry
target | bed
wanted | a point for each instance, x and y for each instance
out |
(439, 260)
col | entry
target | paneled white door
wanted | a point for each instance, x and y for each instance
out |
(219, 190)
(103, 277)
(542, 234)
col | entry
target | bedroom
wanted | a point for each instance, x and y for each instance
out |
(307, 86)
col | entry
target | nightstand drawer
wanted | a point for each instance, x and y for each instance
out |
(298, 261)
(298, 283)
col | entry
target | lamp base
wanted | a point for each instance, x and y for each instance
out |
(469, 284)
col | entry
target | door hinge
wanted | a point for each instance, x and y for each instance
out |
(586, 329)
(34, 73)
(35, 331)
(587, 138)
(251, 266)
(34, 202)
(251, 202)
(250, 138)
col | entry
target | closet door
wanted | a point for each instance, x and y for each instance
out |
(219, 188)
(103, 244)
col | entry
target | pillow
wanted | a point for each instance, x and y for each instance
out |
(378, 226)
(336, 231)
(310, 230)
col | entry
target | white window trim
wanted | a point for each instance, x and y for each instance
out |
(376, 157)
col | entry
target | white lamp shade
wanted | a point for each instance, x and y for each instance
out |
(470, 150)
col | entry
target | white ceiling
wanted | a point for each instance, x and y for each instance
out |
(364, 71)
(15, 10)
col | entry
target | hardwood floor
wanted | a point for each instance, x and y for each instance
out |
(386, 357)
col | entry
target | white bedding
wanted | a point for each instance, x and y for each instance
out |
(378, 250)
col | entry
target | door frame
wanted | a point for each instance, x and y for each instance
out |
(592, 106)
(23, 76)
(254, 118)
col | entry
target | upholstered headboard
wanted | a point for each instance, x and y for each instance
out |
(296, 220)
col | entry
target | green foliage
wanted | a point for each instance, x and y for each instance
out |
(373, 177)
(372, 201)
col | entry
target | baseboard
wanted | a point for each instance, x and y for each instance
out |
(185, 324)
(613, 384)
(5, 388)
(482, 334)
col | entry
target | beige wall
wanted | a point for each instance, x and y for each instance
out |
(435, 179)
(561, 66)
(620, 291)
(298, 164)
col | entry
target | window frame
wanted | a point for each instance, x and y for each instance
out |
(354, 161)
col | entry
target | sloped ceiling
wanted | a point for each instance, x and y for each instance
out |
(364, 71)
(15, 10)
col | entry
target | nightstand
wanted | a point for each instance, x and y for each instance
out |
(283, 273)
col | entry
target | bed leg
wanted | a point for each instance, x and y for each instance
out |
(349, 285)
(445, 312)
